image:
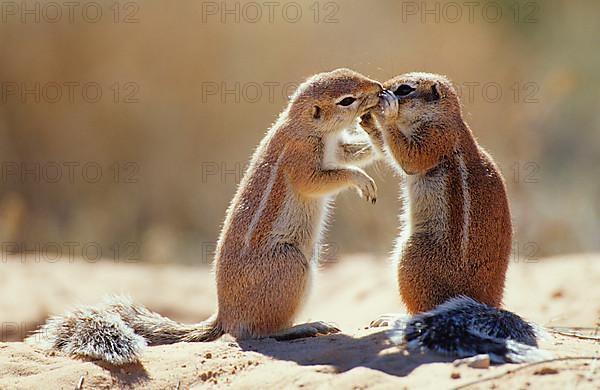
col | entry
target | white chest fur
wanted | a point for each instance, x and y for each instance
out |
(425, 208)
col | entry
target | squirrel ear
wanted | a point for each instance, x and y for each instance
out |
(316, 112)
(435, 95)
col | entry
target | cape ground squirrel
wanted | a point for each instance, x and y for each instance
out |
(454, 248)
(267, 248)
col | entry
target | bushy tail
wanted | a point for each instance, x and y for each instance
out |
(117, 331)
(463, 327)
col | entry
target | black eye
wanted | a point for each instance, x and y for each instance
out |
(347, 101)
(403, 90)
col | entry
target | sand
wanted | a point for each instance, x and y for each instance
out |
(556, 292)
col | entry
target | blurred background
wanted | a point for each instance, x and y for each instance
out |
(126, 126)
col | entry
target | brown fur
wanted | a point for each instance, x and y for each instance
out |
(267, 247)
(457, 231)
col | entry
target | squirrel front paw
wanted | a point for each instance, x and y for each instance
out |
(367, 122)
(370, 126)
(365, 186)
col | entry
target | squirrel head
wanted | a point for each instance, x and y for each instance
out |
(425, 100)
(334, 100)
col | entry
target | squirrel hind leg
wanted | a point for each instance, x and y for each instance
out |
(91, 333)
(306, 330)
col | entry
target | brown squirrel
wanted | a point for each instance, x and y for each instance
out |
(266, 252)
(453, 252)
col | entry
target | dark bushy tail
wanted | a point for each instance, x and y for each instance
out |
(463, 327)
(117, 331)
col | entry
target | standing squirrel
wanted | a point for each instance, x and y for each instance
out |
(453, 252)
(267, 250)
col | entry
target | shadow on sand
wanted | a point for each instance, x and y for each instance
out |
(344, 353)
(132, 375)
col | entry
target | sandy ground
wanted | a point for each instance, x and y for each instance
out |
(555, 292)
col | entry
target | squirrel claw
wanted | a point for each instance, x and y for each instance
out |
(385, 320)
(312, 329)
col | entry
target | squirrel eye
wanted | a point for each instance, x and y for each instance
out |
(403, 90)
(346, 101)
